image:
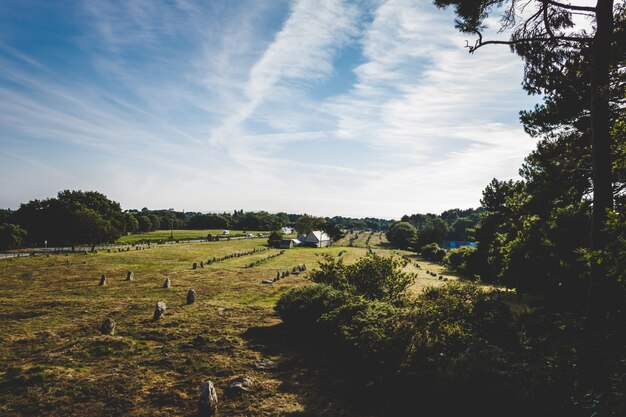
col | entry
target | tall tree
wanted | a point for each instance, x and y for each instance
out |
(547, 39)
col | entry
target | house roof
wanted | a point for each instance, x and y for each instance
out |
(316, 236)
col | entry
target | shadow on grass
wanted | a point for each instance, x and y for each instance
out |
(324, 385)
(329, 384)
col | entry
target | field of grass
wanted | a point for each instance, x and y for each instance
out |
(178, 234)
(54, 361)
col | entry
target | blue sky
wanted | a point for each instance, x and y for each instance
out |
(330, 107)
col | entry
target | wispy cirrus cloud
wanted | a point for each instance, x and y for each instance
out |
(367, 107)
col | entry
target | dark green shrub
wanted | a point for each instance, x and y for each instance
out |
(373, 277)
(305, 305)
(369, 330)
(432, 252)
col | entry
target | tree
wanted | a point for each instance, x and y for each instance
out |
(155, 222)
(73, 217)
(131, 223)
(402, 234)
(332, 230)
(12, 236)
(145, 225)
(547, 40)
(274, 238)
(306, 224)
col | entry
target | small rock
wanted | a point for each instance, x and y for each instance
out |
(220, 311)
(264, 364)
(167, 283)
(194, 266)
(191, 296)
(240, 386)
(108, 327)
(159, 311)
(201, 264)
(103, 280)
(130, 276)
(199, 340)
(267, 281)
(207, 405)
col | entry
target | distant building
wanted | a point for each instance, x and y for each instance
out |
(225, 232)
(317, 239)
(455, 244)
(289, 243)
(287, 230)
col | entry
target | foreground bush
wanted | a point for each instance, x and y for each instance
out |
(373, 277)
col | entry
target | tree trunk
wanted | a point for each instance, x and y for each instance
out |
(595, 364)
(601, 151)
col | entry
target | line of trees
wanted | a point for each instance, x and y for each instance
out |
(89, 217)
(416, 230)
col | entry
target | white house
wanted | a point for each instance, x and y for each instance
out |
(317, 239)
(287, 230)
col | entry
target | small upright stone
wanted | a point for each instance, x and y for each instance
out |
(201, 264)
(191, 296)
(194, 266)
(207, 405)
(159, 310)
(103, 280)
(167, 283)
(130, 276)
(108, 327)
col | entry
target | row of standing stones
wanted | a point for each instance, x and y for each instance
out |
(284, 274)
(229, 256)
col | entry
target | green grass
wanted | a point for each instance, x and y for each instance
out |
(158, 235)
(54, 361)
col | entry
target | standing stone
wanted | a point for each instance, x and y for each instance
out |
(167, 283)
(103, 280)
(108, 327)
(159, 311)
(191, 296)
(130, 276)
(201, 264)
(207, 405)
(194, 266)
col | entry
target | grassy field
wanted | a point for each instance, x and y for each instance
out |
(179, 234)
(54, 361)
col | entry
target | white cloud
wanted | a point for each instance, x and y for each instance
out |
(213, 107)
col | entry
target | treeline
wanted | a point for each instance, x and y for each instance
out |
(89, 217)
(240, 220)
(416, 230)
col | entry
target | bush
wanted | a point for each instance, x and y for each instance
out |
(463, 260)
(305, 305)
(373, 277)
(432, 252)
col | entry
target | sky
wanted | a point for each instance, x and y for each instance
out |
(328, 107)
